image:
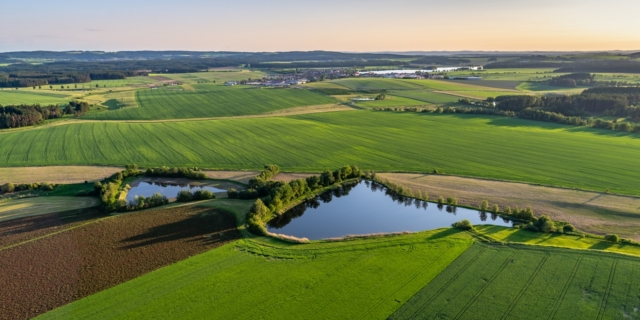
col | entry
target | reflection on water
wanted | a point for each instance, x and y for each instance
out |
(368, 207)
(170, 190)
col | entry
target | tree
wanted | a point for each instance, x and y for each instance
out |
(484, 205)
(463, 225)
(612, 238)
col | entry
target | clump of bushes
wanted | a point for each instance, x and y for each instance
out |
(192, 173)
(543, 224)
(463, 225)
(269, 172)
(612, 238)
(142, 203)
(11, 188)
(187, 195)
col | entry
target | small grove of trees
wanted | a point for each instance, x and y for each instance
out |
(276, 195)
(612, 238)
(269, 172)
(201, 194)
(109, 189)
(27, 115)
(77, 107)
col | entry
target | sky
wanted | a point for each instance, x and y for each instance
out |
(336, 25)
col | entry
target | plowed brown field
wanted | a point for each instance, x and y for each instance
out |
(41, 275)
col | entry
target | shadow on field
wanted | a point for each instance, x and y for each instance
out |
(444, 233)
(36, 223)
(602, 245)
(209, 228)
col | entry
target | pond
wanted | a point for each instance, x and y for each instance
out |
(368, 207)
(168, 188)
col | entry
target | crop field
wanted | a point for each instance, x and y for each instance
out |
(528, 282)
(372, 84)
(29, 96)
(212, 101)
(217, 75)
(358, 279)
(593, 212)
(427, 96)
(19, 208)
(40, 275)
(56, 175)
(391, 101)
(470, 145)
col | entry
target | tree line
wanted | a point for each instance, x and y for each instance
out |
(27, 115)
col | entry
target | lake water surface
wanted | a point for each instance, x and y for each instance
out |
(170, 190)
(366, 207)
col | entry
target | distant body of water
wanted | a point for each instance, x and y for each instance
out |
(367, 207)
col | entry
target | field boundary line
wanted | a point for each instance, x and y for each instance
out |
(605, 296)
(524, 288)
(446, 285)
(449, 245)
(563, 293)
(485, 286)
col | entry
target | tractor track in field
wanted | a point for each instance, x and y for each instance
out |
(607, 291)
(484, 287)
(446, 285)
(558, 302)
(524, 288)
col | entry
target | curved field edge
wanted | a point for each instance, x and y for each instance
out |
(360, 278)
(466, 145)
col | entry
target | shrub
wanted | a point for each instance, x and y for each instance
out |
(463, 225)
(440, 200)
(484, 205)
(233, 193)
(184, 196)
(45, 186)
(203, 194)
(8, 188)
(545, 224)
(531, 227)
(569, 228)
(495, 208)
(452, 201)
(612, 238)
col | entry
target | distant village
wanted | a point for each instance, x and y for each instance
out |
(313, 75)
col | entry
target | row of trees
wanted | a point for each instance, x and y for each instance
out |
(34, 78)
(11, 187)
(187, 195)
(573, 80)
(27, 115)
(192, 173)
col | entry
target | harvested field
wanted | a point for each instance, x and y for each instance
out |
(240, 176)
(56, 174)
(286, 177)
(41, 275)
(592, 212)
(20, 208)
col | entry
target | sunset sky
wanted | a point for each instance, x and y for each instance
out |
(345, 25)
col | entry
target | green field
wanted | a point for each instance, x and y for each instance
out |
(248, 280)
(30, 96)
(427, 96)
(391, 101)
(211, 101)
(530, 282)
(369, 84)
(481, 146)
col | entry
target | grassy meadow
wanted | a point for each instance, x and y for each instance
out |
(368, 278)
(30, 96)
(481, 146)
(489, 282)
(211, 101)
